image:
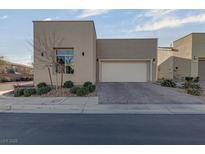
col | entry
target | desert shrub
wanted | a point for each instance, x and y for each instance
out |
(87, 84)
(91, 88)
(190, 81)
(73, 90)
(68, 84)
(195, 86)
(17, 80)
(187, 84)
(42, 84)
(18, 92)
(4, 79)
(194, 91)
(168, 83)
(43, 90)
(82, 91)
(188, 78)
(196, 79)
(28, 92)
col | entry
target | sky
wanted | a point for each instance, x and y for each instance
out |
(16, 27)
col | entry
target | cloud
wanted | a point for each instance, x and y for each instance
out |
(4, 17)
(93, 12)
(158, 13)
(47, 19)
(171, 22)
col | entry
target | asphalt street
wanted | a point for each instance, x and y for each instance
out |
(107, 129)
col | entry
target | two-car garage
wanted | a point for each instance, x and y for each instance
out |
(125, 71)
(126, 60)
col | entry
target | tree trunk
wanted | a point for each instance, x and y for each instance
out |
(49, 72)
(61, 76)
(56, 81)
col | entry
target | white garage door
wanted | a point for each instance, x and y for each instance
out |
(124, 72)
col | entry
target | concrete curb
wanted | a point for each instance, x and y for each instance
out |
(105, 109)
(89, 105)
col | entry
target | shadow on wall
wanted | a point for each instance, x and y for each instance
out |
(165, 69)
(174, 68)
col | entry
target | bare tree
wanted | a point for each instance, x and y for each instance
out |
(44, 48)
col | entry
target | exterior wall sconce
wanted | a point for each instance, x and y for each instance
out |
(83, 53)
(154, 60)
(42, 54)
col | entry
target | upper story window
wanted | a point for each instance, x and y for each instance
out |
(65, 60)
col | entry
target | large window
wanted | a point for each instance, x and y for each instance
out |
(65, 61)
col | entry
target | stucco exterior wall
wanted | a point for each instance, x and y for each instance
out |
(165, 63)
(183, 57)
(128, 49)
(191, 49)
(198, 51)
(78, 35)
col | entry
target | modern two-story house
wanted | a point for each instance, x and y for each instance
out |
(87, 58)
(186, 57)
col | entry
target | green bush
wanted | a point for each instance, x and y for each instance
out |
(91, 88)
(42, 84)
(18, 92)
(87, 84)
(68, 84)
(28, 92)
(168, 83)
(188, 78)
(73, 90)
(194, 91)
(82, 91)
(43, 90)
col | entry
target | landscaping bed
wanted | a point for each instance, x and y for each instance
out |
(64, 92)
(190, 85)
(88, 89)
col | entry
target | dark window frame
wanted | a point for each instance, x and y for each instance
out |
(68, 67)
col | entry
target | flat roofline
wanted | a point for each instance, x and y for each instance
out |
(168, 48)
(63, 21)
(91, 21)
(188, 35)
(127, 38)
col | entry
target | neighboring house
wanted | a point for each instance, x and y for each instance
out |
(86, 58)
(187, 56)
(12, 71)
(165, 62)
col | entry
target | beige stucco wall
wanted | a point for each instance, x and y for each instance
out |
(183, 57)
(198, 51)
(128, 49)
(79, 35)
(191, 49)
(165, 63)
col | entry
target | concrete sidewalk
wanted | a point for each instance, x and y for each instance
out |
(90, 105)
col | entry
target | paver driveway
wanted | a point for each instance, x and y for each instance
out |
(148, 93)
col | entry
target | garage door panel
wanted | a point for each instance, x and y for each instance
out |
(125, 72)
